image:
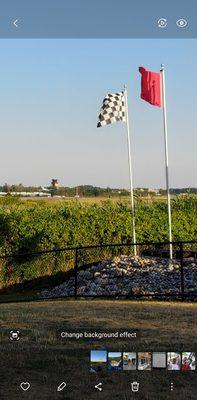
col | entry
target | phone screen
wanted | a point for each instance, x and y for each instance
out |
(98, 200)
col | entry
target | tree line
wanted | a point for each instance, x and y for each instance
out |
(92, 191)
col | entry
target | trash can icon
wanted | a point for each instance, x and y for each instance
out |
(135, 386)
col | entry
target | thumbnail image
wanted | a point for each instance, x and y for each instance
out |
(98, 360)
(129, 361)
(144, 361)
(114, 361)
(159, 360)
(174, 361)
(188, 361)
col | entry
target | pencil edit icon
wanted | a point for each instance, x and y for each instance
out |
(61, 386)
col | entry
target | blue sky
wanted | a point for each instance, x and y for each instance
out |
(98, 356)
(114, 354)
(50, 96)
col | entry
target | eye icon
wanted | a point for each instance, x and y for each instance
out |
(162, 22)
(182, 23)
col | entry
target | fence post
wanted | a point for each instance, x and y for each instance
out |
(76, 271)
(182, 272)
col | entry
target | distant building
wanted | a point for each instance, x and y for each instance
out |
(54, 183)
(156, 191)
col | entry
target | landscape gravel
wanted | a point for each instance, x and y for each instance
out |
(128, 276)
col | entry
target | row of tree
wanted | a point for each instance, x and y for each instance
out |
(92, 191)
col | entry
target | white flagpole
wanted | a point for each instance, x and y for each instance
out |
(166, 156)
(130, 170)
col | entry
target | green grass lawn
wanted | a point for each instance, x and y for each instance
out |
(43, 358)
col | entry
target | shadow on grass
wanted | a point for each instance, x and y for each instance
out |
(31, 287)
(28, 289)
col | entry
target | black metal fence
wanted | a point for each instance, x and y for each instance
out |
(163, 280)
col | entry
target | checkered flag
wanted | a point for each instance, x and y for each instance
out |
(112, 110)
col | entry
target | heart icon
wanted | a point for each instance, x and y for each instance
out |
(25, 386)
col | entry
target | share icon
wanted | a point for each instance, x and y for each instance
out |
(99, 387)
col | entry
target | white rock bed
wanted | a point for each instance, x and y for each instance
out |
(128, 276)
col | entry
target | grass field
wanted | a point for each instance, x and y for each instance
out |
(43, 358)
(96, 199)
(90, 199)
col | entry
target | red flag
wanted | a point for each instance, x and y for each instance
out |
(151, 87)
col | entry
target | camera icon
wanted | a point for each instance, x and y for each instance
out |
(14, 335)
(182, 23)
(162, 23)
